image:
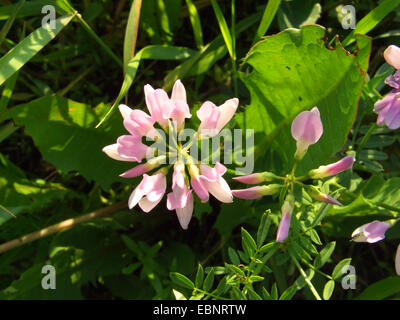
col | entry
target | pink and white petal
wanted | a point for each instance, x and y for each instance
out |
(136, 171)
(227, 111)
(125, 111)
(200, 189)
(384, 102)
(220, 190)
(392, 116)
(208, 173)
(185, 214)
(178, 91)
(220, 168)
(147, 205)
(112, 152)
(131, 147)
(135, 197)
(392, 56)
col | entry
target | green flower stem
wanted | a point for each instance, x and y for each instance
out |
(310, 285)
(7, 211)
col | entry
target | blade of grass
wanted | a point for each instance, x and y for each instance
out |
(155, 52)
(196, 24)
(223, 27)
(131, 32)
(10, 21)
(67, 7)
(269, 14)
(204, 59)
(7, 130)
(369, 22)
(14, 59)
(7, 91)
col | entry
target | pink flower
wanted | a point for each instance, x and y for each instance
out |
(306, 130)
(284, 225)
(397, 259)
(203, 179)
(128, 148)
(149, 192)
(136, 121)
(162, 108)
(332, 169)
(371, 232)
(388, 110)
(214, 183)
(181, 198)
(143, 168)
(257, 191)
(392, 56)
(214, 118)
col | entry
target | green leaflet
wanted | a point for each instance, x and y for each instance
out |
(294, 71)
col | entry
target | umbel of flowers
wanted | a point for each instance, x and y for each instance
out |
(189, 177)
(306, 129)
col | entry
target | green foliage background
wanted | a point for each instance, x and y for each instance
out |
(58, 85)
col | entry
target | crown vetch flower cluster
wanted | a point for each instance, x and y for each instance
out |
(388, 108)
(306, 129)
(188, 177)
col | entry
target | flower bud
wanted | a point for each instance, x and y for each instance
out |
(257, 192)
(306, 130)
(255, 178)
(392, 56)
(319, 196)
(371, 232)
(284, 225)
(332, 169)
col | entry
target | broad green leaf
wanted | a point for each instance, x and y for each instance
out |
(381, 289)
(295, 14)
(328, 289)
(63, 130)
(324, 255)
(181, 280)
(19, 194)
(13, 60)
(294, 71)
